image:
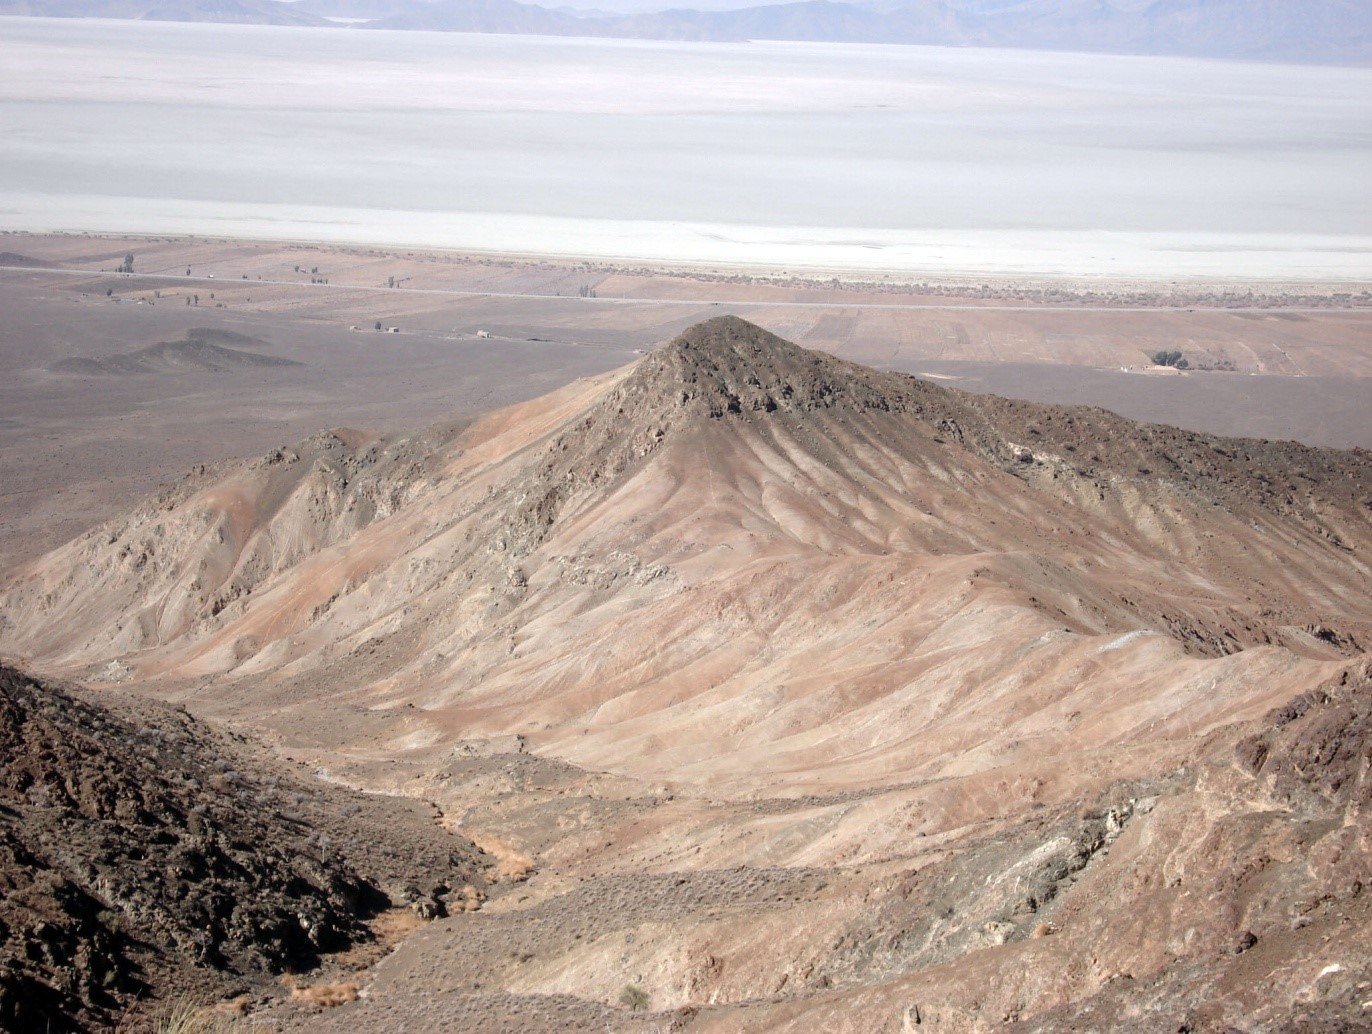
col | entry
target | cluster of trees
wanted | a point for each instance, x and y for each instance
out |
(1166, 358)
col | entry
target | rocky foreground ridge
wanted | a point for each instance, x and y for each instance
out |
(143, 854)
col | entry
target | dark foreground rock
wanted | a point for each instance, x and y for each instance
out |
(140, 856)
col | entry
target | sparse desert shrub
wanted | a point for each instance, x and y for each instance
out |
(634, 997)
(1166, 358)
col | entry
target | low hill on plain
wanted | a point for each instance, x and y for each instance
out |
(199, 350)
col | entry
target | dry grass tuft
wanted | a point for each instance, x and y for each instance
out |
(511, 864)
(388, 928)
(187, 1014)
(394, 925)
(470, 900)
(326, 996)
(234, 1007)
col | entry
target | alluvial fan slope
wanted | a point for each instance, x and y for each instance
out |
(751, 605)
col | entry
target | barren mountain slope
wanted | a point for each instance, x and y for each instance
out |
(835, 688)
(1228, 895)
(738, 548)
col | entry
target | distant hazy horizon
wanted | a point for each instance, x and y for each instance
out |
(835, 156)
(652, 6)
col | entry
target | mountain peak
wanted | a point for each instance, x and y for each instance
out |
(727, 365)
(724, 334)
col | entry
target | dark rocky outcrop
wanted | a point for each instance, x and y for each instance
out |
(139, 854)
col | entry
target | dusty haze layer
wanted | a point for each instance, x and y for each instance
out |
(790, 693)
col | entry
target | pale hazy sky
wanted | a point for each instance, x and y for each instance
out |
(649, 6)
